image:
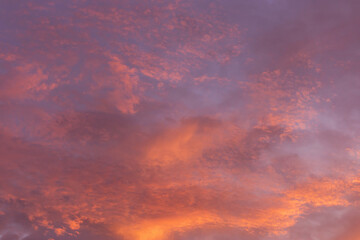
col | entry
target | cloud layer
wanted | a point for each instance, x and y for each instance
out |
(182, 120)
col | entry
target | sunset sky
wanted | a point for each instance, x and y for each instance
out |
(179, 120)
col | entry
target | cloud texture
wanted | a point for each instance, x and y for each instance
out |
(179, 120)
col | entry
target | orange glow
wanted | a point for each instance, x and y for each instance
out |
(179, 120)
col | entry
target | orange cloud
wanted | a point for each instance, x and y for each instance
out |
(178, 120)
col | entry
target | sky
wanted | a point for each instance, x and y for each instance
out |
(179, 120)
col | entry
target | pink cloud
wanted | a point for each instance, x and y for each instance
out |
(184, 120)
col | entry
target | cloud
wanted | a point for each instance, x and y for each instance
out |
(178, 120)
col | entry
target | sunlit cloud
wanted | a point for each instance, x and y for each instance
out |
(179, 120)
